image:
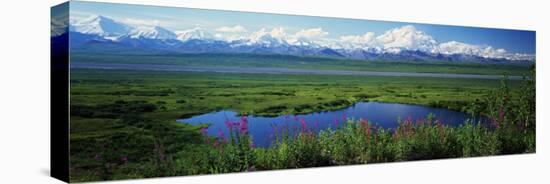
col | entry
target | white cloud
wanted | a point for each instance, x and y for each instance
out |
(313, 33)
(407, 37)
(357, 41)
(278, 32)
(263, 35)
(393, 40)
(231, 33)
(141, 22)
(219, 36)
(276, 35)
(313, 37)
(234, 29)
(365, 38)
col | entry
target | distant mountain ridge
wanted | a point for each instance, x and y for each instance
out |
(102, 34)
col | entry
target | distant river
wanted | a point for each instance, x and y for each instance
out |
(382, 114)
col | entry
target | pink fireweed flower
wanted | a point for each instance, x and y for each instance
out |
(304, 126)
(409, 120)
(410, 126)
(221, 134)
(243, 129)
(366, 127)
(229, 124)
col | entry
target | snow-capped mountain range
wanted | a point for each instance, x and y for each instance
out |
(402, 43)
(154, 32)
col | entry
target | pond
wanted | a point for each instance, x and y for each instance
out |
(384, 115)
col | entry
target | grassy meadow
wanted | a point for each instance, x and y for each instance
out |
(123, 122)
(305, 62)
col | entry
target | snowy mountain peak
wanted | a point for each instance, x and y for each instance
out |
(101, 26)
(155, 32)
(95, 19)
(195, 33)
(303, 42)
(275, 37)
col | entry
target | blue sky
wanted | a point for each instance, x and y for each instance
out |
(515, 41)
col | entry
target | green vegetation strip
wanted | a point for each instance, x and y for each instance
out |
(299, 62)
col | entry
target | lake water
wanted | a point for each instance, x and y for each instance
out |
(381, 114)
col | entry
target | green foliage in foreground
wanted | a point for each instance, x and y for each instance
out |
(141, 146)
